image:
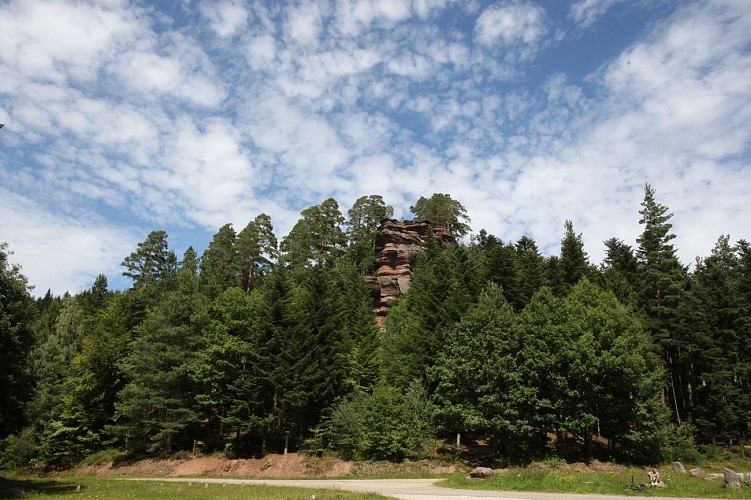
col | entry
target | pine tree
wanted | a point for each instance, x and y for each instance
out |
(257, 250)
(363, 221)
(662, 280)
(317, 238)
(445, 283)
(442, 211)
(219, 263)
(152, 262)
(479, 387)
(158, 403)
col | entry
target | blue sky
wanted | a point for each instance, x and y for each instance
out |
(124, 117)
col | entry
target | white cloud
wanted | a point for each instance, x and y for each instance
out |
(512, 24)
(586, 12)
(226, 18)
(176, 66)
(304, 23)
(355, 16)
(56, 40)
(58, 252)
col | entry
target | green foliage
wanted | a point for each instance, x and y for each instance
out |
(151, 262)
(442, 211)
(445, 283)
(363, 220)
(158, 403)
(480, 388)
(219, 264)
(257, 251)
(317, 238)
(592, 366)
(19, 451)
(15, 342)
(507, 344)
(389, 424)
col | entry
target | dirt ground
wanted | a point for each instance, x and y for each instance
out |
(292, 465)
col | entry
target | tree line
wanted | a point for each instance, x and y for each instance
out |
(257, 342)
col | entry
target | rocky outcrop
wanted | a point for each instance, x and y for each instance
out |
(397, 246)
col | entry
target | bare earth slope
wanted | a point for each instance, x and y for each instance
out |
(293, 465)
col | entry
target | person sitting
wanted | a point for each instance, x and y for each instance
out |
(654, 477)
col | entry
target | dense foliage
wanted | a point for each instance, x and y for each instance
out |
(257, 343)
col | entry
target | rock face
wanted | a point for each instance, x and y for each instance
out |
(397, 246)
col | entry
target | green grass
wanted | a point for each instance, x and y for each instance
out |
(678, 485)
(114, 489)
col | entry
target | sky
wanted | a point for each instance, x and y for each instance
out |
(124, 117)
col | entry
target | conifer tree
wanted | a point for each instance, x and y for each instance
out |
(317, 238)
(662, 280)
(257, 249)
(574, 263)
(446, 281)
(443, 211)
(363, 221)
(152, 262)
(158, 403)
(219, 263)
(16, 341)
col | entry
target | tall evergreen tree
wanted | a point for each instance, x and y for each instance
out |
(16, 341)
(317, 238)
(620, 271)
(662, 280)
(257, 249)
(479, 385)
(158, 403)
(714, 351)
(531, 274)
(501, 264)
(219, 263)
(153, 261)
(574, 263)
(363, 220)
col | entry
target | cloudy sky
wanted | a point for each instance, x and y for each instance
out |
(122, 117)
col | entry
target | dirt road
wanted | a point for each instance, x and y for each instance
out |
(404, 489)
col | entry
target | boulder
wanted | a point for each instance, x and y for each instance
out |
(481, 473)
(698, 472)
(732, 479)
(679, 468)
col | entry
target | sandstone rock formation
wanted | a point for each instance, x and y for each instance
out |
(397, 246)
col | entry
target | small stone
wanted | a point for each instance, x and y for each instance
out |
(679, 468)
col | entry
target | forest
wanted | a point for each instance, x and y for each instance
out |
(259, 343)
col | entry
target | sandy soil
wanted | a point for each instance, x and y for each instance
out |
(293, 465)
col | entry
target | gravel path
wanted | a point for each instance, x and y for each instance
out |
(404, 489)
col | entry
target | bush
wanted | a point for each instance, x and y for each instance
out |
(386, 425)
(681, 445)
(19, 451)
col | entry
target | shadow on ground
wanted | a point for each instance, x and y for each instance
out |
(16, 488)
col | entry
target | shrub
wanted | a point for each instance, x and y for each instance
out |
(389, 424)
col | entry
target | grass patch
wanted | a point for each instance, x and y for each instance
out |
(98, 488)
(612, 483)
